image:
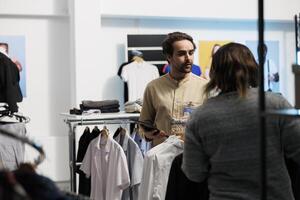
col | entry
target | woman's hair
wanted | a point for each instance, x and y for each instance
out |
(233, 69)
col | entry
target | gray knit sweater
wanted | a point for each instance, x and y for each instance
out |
(222, 144)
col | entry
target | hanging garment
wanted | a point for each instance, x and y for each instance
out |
(125, 83)
(157, 164)
(11, 150)
(140, 141)
(180, 187)
(138, 75)
(135, 163)
(10, 91)
(84, 141)
(106, 163)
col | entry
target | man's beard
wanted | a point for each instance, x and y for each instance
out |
(186, 68)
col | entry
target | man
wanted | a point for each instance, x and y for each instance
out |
(169, 99)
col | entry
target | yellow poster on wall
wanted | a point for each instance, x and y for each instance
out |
(206, 49)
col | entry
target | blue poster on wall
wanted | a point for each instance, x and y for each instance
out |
(14, 47)
(271, 64)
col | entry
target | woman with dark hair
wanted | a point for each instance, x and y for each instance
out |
(222, 137)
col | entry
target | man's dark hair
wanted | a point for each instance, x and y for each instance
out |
(167, 44)
(233, 69)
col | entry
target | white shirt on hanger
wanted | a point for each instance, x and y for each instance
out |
(157, 165)
(107, 166)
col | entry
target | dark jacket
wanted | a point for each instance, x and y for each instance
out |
(10, 91)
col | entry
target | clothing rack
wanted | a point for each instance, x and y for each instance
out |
(73, 121)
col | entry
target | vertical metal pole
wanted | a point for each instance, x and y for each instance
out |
(70, 155)
(74, 158)
(263, 171)
(296, 37)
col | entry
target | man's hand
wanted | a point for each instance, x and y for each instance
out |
(150, 135)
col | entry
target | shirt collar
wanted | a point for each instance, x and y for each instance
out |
(125, 140)
(180, 82)
(173, 139)
(106, 146)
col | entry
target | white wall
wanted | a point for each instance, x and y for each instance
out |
(34, 7)
(199, 9)
(45, 27)
(114, 31)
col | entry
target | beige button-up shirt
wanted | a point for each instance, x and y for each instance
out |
(165, 100)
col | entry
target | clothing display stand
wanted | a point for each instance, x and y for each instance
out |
(91, 119)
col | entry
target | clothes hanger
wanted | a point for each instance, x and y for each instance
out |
(117, 132)
(21, 118)
(5, 112)
(104, 132)
(137, 59)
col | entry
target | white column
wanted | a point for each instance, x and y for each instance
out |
(85, 35)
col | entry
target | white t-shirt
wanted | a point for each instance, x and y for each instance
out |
(138, 75)
(107, 166)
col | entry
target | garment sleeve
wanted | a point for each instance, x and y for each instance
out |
(86, 162)
(124, 73)
(195, 161)
(10, 89)
(123, 180)
(137, 161)
(156, 72)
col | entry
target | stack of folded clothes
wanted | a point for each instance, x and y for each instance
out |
(106, 106)
(133, 106)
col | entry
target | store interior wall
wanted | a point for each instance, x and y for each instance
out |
(74, 49)
(199, 9)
